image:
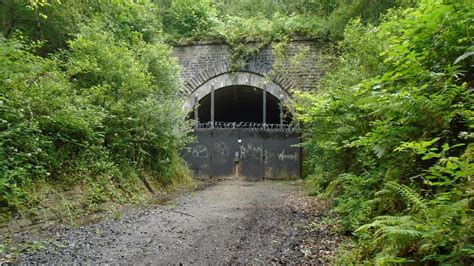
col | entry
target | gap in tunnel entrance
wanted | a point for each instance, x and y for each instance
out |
(240, 104)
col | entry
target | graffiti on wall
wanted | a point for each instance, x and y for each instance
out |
(221, 153)
(288, 156)
(199, 151)
(250, 151)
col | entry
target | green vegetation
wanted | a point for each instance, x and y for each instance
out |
(263, 22)
(84, 86)
(255, 20)
(389, 136)
(24, 247)
(89, 95)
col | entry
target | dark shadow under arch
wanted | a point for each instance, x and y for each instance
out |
(239, 104)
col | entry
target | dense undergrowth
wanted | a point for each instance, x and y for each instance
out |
(389, 136)
(89, 96)
(263, 22)
(257, 20)
(90, 92)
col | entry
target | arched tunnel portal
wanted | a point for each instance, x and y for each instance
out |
(240, 97)
(242, 127)
(240, 104)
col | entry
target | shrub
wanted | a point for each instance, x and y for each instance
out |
(389, 135)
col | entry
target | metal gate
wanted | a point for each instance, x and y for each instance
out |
(254, 151)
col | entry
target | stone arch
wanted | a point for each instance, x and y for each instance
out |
(235, 79)
(222, 67)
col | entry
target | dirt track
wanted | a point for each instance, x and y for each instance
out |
(233, 221)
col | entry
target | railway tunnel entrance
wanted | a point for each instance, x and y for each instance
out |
(244, 129)
(239, 104)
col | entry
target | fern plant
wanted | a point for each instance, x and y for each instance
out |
(410, 196)
(430, 229)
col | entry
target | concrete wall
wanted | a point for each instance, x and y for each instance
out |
(203, 61)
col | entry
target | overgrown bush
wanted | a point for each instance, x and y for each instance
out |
(188, 19)
(185, 21)
(101, 113)
(389, 135)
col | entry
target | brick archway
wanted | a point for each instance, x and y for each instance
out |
(235, 79)
(223, 67)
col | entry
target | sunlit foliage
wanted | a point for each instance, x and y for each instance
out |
(389, 135)
(89, 94)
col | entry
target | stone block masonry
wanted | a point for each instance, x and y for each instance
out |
(201, 62)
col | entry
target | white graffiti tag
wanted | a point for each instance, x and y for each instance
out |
(221, 152)
(291, 156)
(199, 151)
(251, 152)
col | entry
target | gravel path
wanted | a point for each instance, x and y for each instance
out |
(233, 221)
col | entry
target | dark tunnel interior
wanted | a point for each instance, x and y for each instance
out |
(240, 104)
